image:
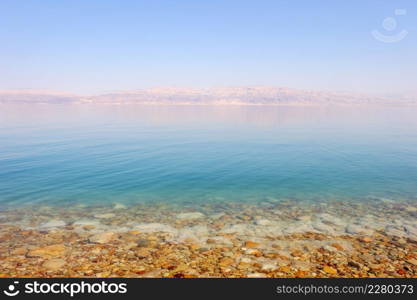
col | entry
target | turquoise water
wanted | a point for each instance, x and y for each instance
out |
(97, 154)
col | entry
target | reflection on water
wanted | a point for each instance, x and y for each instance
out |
(196, 154)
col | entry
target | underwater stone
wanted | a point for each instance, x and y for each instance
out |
(52, 224)
(190, 216)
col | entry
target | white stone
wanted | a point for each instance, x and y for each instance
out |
(410, 208)
(190, 216)
(250, 251)
(198, 233)
(319, 226)
(356, 229)
(329, 248)
(53, 224)
(118, 206)
(239, 229)
(410, 229)
(105, 216)
(269, 267)
(155, 227)
(257, 275)
(263, 222)
(301, 265)
(246, 260)
(305, 218)
(102, 238)
(297, 227)
(86, 222)
(395, 230)
(217, 216)
(331, 219)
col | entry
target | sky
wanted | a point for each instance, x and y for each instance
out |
(98, 46)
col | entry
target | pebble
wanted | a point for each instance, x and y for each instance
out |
(269, 267)
(251, 244)
(395, 231)
(190, 216)
(329, 248)
(142, 243)
(53, 224)
(337, 246)
(304, 218)
(263, 222)
(86, 222)
(301, 265)
(217, 216)
(105, 216)
(246, 260)
(331, 219)
(296, 253)
(256, 275)
(356, 229)
(366, 239)
(48, 251)
(54, 264)
(143, 253)
(119, 206)
(254, 252)
(329, 270)
(285, 269)
(354, 264)
(102, 238)
(411, 209)
(19, 251)
(226, 262)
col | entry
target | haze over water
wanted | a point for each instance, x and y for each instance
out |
(97, 154)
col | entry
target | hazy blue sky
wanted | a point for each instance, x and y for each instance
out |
(97, 46)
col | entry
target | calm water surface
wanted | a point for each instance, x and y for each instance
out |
(96, 154)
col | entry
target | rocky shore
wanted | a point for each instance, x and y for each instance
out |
(272, 238)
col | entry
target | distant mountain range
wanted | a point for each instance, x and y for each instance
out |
(213, 96)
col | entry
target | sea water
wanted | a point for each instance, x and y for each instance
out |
(98, 154)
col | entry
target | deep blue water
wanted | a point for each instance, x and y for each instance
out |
(195, 154)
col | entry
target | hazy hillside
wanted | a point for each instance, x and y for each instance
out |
(217, 96)
(36, 96)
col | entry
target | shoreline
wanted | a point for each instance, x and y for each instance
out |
(268, 239)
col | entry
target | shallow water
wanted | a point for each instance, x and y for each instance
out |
(192, 155)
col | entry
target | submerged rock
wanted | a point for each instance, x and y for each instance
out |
(119, 206)
(263, 222)
(331, 219)
(217, 216)
(197, 233)
(87, 222)
(356, 229)
(190, 216)
(53, 224)
(155, 227)
(102, 238)
(105, 216)
(321, 227)
(395, 230)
